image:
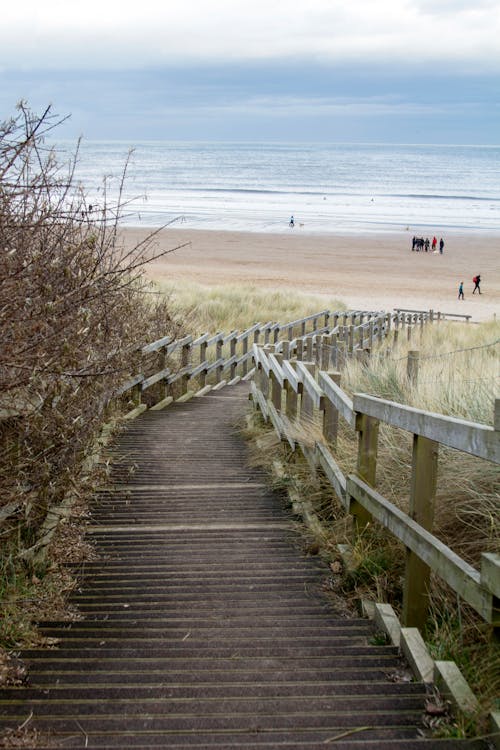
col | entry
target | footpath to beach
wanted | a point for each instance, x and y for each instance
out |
(378, 271)
(204, 623)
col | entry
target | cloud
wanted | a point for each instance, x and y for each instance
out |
(118, 34)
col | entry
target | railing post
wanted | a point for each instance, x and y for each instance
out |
(333, 352)
(137, 395)
(308, 348)
(244, 350)
(412, 366)
(490, 575)
(367, 428)
(300, 350)
(276, 390)
(232, 347)
(185, 357)
(265, 387)
(350, 339)
(370, 334)
(341, 355)
(496, 415)
(291, 396)
(306, 402)
(423, 493)
(203, 356)
(409, 327)
(331, 415)
(326, 342)
(162, 363)
(218, 354)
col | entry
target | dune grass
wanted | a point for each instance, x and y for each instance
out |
(459, 374)
(238, 306)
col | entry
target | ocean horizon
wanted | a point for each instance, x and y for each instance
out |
(328, 188)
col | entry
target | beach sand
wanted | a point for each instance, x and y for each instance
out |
(378, 272)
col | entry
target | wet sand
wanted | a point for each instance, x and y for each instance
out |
(378, 272)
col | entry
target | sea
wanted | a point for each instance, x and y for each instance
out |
(327, 188)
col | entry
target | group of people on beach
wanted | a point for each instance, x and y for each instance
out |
(476, 281)
(418, 244)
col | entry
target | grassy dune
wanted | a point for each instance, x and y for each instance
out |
(236, 307)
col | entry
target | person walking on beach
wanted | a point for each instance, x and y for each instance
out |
(434, 243)
(461, 291)
(426, 244)
(477, 281)
(292, 221)
(441, 246)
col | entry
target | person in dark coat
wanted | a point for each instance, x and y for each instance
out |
(477, 281)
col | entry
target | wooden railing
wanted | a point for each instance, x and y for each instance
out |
(193, 365)
(293, 395)
(294, 369)
(436, 315)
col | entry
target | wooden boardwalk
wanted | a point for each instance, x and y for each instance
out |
(205, 625)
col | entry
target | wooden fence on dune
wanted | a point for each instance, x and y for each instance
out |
(295, 373)
(192, 365)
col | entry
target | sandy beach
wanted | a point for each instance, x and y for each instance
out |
(378, 272)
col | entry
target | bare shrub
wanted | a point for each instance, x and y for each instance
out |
(74, 312)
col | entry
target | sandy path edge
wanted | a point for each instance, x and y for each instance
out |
(366, 272)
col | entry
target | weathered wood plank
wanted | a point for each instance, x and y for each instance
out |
(461, 576)
(276, 369)
(469, 437)
(260, 400)
(155, 345)
(148, 382)
(339, 399)
(490, 572)
(332, 471)
(178, 344)
(248, 331)
(261, 358)
(422, 496)
(129, 385)
(310, 385)
(290, 376)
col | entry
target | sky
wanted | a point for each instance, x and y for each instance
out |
(372, 71)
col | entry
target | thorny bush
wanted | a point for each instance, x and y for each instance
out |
(74, 311)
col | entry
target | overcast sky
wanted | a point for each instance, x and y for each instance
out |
(403, 71)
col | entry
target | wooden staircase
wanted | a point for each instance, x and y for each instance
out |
(204, 624)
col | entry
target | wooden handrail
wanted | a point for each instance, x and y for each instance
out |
(477, 439)
(479, 589)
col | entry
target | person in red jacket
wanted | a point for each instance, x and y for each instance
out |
(477, 281)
